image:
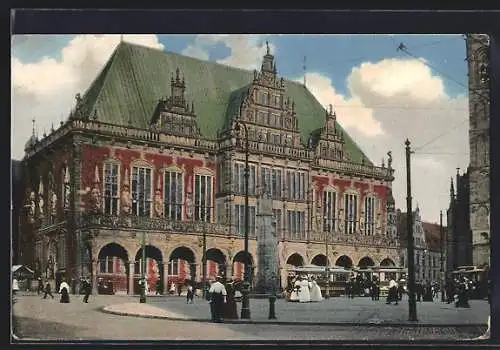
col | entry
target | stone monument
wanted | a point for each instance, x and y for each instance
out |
(267, 247)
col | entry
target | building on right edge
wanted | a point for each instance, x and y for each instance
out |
(479, 167)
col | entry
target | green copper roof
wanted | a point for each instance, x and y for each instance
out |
(127, 91)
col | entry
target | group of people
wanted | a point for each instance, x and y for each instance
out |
(305, 289)
(222, 300)
(64, 290)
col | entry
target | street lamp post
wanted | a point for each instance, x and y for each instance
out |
(412, 304)
(245, 305)
(327, 266)
(142, 298)
(441, 268)
(204, 265)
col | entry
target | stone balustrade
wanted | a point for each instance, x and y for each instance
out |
(354, 168)
(355, 239)
(153, 224)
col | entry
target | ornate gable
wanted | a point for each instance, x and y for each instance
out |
(329, 142)
(174, 115)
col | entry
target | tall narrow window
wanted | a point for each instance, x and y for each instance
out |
(203, 198)
(296, 224)
(173, 267)
(277, 220)
(369, 215)
(239, 220)
(111, 192)
(351, 214)
(141, 191)
(296, 185)
(271, 179)
(329, 201)
(173, 194)
(239, 179)
(263, 98)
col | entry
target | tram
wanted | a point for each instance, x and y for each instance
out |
(336, 278)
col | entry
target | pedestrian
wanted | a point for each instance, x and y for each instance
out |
(64, 291)
(418, 290)
(159, 288)
(230, 308)
(87, 289)
(48, 291)
(218, 297)
(190, 294)
(39, 289)
(172, 289)
(392, 294)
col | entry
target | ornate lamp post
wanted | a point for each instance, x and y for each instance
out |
(245, 305)
(412, 304)
(142, 298)
(441, 268)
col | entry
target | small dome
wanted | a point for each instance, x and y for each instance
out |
(30, 143)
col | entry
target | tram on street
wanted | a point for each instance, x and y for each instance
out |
(336, 278)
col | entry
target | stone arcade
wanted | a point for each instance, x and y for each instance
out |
(151, 147)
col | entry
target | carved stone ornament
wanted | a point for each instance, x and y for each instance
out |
(189, 205)
(126, 196)
(53, 203)
(158, 204)
(31, 207)
(41, 203)
(67, 188)
(95, 193)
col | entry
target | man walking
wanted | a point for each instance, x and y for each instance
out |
(48, 290)
(40, 286)
(218, 295)
(87, 289)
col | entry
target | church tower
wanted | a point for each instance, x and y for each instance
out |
(479, 167)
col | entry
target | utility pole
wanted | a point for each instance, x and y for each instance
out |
(327, 266)
(441, 271)
(412, 304)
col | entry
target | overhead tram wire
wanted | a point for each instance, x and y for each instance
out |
(453, 127)
(402, 47)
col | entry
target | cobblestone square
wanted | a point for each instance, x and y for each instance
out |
(38, 319)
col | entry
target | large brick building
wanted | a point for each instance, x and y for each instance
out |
(152, 148)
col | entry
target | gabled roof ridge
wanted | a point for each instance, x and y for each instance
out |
(101, 75)
(167, 52)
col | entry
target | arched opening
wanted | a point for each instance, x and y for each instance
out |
(239, 261)
(295, 260)
(319, 260)
(181, 266)
(366, 262)
(344, 261)
(153, 272)
(216, 263)
(113, 270)
(387, 263)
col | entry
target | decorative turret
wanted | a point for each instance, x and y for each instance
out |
(32, 140)
(268, 64)
(174, 114)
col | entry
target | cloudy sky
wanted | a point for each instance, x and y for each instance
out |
(381, 95)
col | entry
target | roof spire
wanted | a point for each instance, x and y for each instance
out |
(33, 122)
(121, 38)
(267, 47)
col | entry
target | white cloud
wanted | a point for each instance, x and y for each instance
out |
(195, 52)
(351, 113)
(45, 89)
(395, 99)
(246, 51)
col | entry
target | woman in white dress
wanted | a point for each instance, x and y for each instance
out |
(294, 295)
(304, 293)
(315, 292)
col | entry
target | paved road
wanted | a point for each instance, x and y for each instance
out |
(50, 320)
(342, 310)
